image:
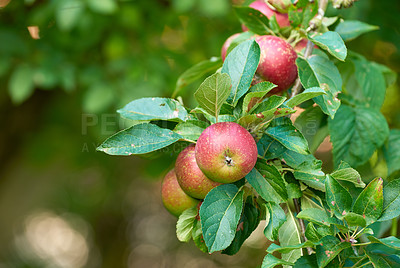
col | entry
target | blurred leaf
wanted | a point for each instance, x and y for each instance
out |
(338, 198)
(98, 98)
(184, 225)
(271, 261)
(306, 261)
(356, 132)
(275, 248)
(103, 6)
(241, 65)
(351, 29)
(139, 139)
(275, 219)
(307, 94)
(369, 203)
(68, 13)
(331, 42)
(247, 224)
(219, 214)
(154, 109)
(284, 132)
(21, 84)
(196, 72)
(191, 129)
(198, 238)
(391, 201)
(253, 19)
(392, 151)
(213, 92)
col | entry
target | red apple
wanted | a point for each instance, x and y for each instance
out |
(174, 198)
(277, 62)
(226, 45)
(260, 5)
(300, 45)
(192, 181)
(226, 152)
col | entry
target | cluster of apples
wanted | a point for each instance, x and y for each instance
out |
(278, 58)
(224, 153)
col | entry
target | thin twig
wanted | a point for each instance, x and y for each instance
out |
(301, 223)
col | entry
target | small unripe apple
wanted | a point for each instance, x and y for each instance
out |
(260, 5)
(173, 197)
(281, 6)
(191, 179)
(226, 45)
(277, 62)
(226, 152)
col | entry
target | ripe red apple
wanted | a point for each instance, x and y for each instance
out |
(226, 152)
(173, 197)
(226, 45)
(260, 5)
(277, 62)
(192, 181)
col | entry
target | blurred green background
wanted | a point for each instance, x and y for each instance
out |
(62, 204)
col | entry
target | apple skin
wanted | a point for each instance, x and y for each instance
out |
(226, 152)
(173, 197)
(226, 45)
(260, 5)
(277, 62)
(191, 179)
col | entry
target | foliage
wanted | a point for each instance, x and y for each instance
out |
(318, 217)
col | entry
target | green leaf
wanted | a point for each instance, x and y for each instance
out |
(274, 177)
(390, 241)
(307, 94)
(271, 261)
(378, 260)
(354, 219)
(139, 139)
(294, 190)
(263, 186)
(270, 103)
(345, 173)
(275, 248)
(219, 214)
(253, 19)
(98, 98)
(191, 129)
(311, 233)
(252, 120)
(369, 203)
(197, 236)
(331, 42)
(20, 85)
(328, 249)
(290, 234)
(68, 13)
(103, 6)
(154, 109)
(275, 219)
(256, 95)
(196, 72)
(330, 80)
(284, 132)
(391, 201)
(314, 215)
(338, 198)
(306, 261)
(247, 224)
(213, 92)
(392, 151)
(241, 65)
(356, 132)
(185, 223)
(351, 29)
(307, 76)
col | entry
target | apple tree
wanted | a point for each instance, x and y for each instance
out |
(250, 147)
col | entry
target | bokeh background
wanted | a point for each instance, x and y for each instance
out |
(62, 204)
